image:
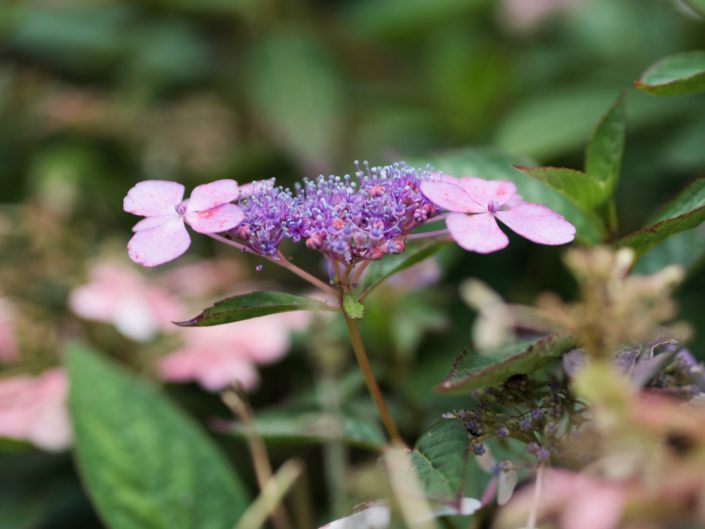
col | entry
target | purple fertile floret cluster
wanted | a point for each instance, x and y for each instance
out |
(349, 219)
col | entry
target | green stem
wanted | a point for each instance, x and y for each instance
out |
(370, 380)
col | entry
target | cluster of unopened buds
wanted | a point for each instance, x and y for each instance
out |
(349, 219)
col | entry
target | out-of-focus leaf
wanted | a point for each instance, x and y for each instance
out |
(686, 249)
(77, 37)
(489, 164)
(474, 371)
(683, 73)
(439, 457)
(252, 305)
(603, 157)
(380, 271)
(583, 190)
(685, 212)
(393, 17)
(314, 428)
(697, 5)
(558, 122)
(145, 464)
(170, 52)
(297, 94)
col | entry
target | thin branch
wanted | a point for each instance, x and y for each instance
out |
(531, 521)
(271, 496)
(428, 234)
(279, 260)
(258, 453)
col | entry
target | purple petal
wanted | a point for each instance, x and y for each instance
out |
(255, 187)
(486, 191)
(153, 197)
(449, 196)
(215, 220)
(538, 223)
(159, 245)
(476, 233)
(208, 196)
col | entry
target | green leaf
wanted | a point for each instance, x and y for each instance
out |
(697, 5)
(492, 165)
(295, 90)
(557, 122)
(352, 307)
(603, 157)
(682, 73)
(145, 464)
(252, 305)
(582, 189)
(379, 271)
(685, 212)
(440, 457)
(686, 249)
(474, 371)
(315, 427)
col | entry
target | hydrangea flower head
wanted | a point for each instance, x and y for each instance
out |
(475, 205)
(266, 210)
(161, 236)
(364, 218)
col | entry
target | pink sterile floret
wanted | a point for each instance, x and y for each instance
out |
(476, 204)
(118, 295)
(218, 356)
(162, 235)
(34, 409)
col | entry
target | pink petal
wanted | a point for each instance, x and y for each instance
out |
(595, 507)
(34, 409)
(476, 233)
(152, 222)
(449, 196)
(486, 191)
(208, 196)
(153, 197)
(159, 245)
(213, 370)
(538, 223)
(215, 220)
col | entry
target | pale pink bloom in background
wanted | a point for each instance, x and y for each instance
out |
(34, 409)
(120, 296)
(224, 354)
(8, 342)
(202, 277)
(575, 501)
(525, 16)
(475, 205)
(416, 277)
(162, 236)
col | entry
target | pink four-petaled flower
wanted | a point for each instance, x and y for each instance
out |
(162, 235)
(475, 205)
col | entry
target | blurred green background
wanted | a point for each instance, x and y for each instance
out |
(97, 95)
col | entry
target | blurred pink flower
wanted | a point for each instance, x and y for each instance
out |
(119, 295)
(416, 277)
(475, 205)
(34, 409)
(8, 342)
(575, 501)
(161, 236)
(202, 277)
(525, 16)
(218, 356)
